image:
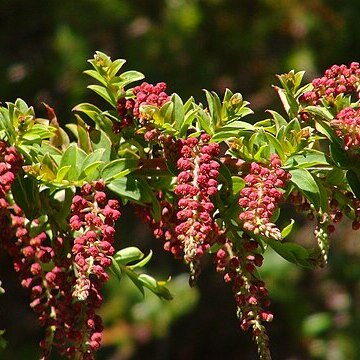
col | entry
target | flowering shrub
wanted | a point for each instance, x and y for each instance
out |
(207, 182)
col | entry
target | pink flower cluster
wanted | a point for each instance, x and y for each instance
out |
(251, 295)
(196, 183)
(10, 163)
(94, 216)
(260, 197)
(44, 269)
(148, 94)
(347, 127)
(336, 80)
(165, 227)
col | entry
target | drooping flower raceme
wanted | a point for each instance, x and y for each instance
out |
(165, 227)
(260, 197)
(251, 295)
(94, 216)
(196, 183)
(10, 163)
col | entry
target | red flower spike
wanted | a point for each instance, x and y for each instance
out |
(194, 187)
(250, 294)
(260, 197)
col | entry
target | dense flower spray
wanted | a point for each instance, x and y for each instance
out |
(10, 163)
(260, 197)
(251, 296)
(164, 228)
(196, 183)
(65, 291)
(94, 216)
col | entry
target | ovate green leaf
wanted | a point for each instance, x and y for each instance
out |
(304, 181)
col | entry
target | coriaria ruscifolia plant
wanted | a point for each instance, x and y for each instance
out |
(207, 181)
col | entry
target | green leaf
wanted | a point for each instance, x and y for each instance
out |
(155, 287)
(6, 125)
(325, 129)
(340, 156)
(89, 109)
(134, 277)
(94, 74)
(74, 157)
(277, 145)
(64, 198)
(38, 132)
(279, 120)
(127, 187)
(147, 195)
(115, 269)
(262, 154)
(129, 77)
(188, 120)
(128, 255)
(309, 158)
(26, 194)
(3, 342)
(62, 172)
(104, 93)
(142, 262)
(91, 172)
(323, 194)
(238, 184)
(214, 104)
(99, 140)
(82, 134)
(354, 182)
(292, 126)
(304, 181)
(287, 229)
(48, 148)
(288, 100)
(239, 125)
(320, 111)
(93, 157)
(225, 135)
(118, 168)
(336, 176)
(178, 111)
(292, 252)
(115, 67)
(204, 119)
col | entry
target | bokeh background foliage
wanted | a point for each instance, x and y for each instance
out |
(191, 45)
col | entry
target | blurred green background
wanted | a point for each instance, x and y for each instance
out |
(191, 45)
